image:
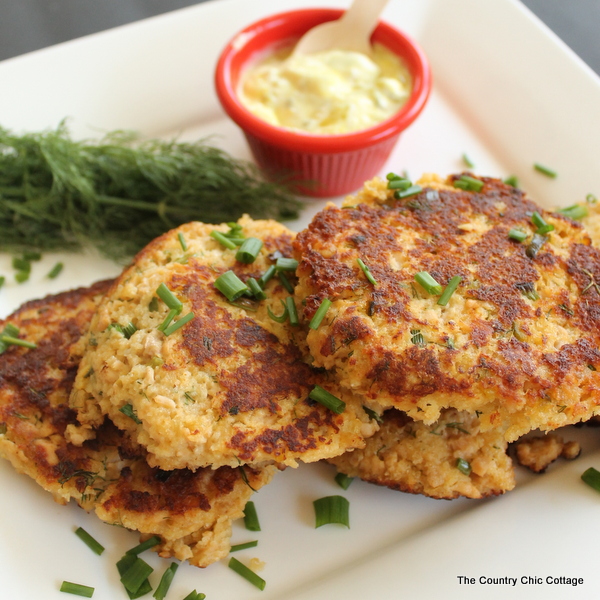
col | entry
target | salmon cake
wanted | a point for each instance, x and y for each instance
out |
(191, 512)
(223, 383)
(447, 460)
(516, 343)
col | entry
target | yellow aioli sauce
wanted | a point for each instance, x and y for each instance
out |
(331, 92)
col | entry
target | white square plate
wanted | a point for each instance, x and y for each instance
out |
(507, 93)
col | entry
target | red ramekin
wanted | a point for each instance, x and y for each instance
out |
(322, 165)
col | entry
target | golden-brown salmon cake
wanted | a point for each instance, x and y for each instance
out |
(191, 512)
(227, 388)
(517, 341)
(449, 459)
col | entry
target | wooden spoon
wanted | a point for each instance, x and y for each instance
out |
(352, 31)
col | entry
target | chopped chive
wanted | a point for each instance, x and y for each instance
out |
(246, 573)
(179, 323)
(170, 316)
(129, 411)
(327, 400)
(10, 329)
(468, 183)
(463, 466)
(122, 566)
(535, 245)
(591, 199)
(235, 234)
(77, 589)
(251, 517)
(31, 255)
(149, 543)
(230, 285)
(512, 181)
(125, 562)
(285, 282)
(2, 280)
(266, 276)
(135, 575)
(543, 227)
(249, 250)
(223, 239)
(468, 162)
(244, 546)
(343, 480)
(167, 296)
(417, 338)
(399, 184)
(22, 276)
(194, 595)
(292, 311)
(89, 541)
(517, 235)
(545, 170)
(366, 271)
(10, 340)
(116, 327)
(21, 264)
(391, 176)
(286, 264)
(591, 476)
(282, 318)
(332, 509)
(426, 281)
(182, 241)
(449, 290)
(129, 330)
(410, 191)
(165, 582)
(256, 289)
(320, 314)
(575, 212)
(55, 271)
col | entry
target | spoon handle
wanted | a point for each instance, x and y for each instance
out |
(364, 15)
(352, 31)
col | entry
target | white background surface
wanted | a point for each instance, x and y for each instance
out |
(29, 25)
(508, 93)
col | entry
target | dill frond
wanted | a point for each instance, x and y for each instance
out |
(117, 195)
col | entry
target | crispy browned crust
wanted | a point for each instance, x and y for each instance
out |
(522, 362)
(276, 371)
(191, 511)
(231, 386)
(34, 391)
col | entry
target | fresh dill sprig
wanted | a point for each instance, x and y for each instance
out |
(117, 194)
